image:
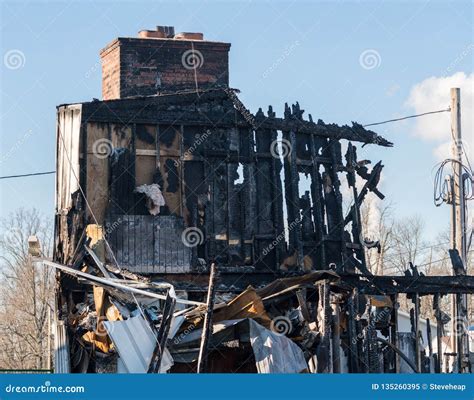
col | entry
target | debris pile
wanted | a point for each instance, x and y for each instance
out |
(125, 323)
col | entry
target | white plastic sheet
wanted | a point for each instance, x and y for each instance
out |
(135, 343)
(155, 197)
(274, 352)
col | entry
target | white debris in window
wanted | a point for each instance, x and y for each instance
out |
(155, 198)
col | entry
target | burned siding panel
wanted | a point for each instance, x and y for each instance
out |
(68, 154)
(97, 168)
(146, 154)
(170, 138)
(68, 172)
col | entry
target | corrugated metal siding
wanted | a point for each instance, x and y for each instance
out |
(68, 129)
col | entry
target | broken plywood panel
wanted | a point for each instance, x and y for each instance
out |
(97, 169)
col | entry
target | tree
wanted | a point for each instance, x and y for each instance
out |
(407, 244)
(27, 291)
(377, 224)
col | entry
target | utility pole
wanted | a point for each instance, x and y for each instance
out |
(461, 242)
(452, 245)
(49, 339)
(459, 229)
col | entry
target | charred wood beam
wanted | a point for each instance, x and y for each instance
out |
(423, 285)
(206, 109)
(277, 194)
(207, 325)
(318, 201)
(415, 328)
(370, 185)
(430, 341)
(351, 158)
(249, 196)
(162, 336)
(292, 197)
(394, 331)
(439, 333)
(353, 335)
(335, 248)
(372, 347)
(355, 132)
(324, 351)
(336, 337)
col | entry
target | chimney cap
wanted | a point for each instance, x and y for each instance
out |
(145, 34)
(189, 36)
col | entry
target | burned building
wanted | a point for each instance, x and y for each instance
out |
(169, 174)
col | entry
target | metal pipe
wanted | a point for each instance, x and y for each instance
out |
(107, 282)
(399, 352)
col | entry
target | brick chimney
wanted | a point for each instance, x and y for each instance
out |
(162, 61)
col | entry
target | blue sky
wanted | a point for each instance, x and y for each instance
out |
(281, 52)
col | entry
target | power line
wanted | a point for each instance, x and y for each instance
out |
(25, 175)
(372, 124)
(428, 263)
(407, 117)
(437, 261)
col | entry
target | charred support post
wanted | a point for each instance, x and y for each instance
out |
(301, 297)
(318, 206)
(162, 336)
(353, 335)
(325, 350)
(356, 217)
(439, 333)
(372, 346)
(336, 337)
(207, 326)
(430, 344)
(416, 329)
(394, 332)
(292, 196)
